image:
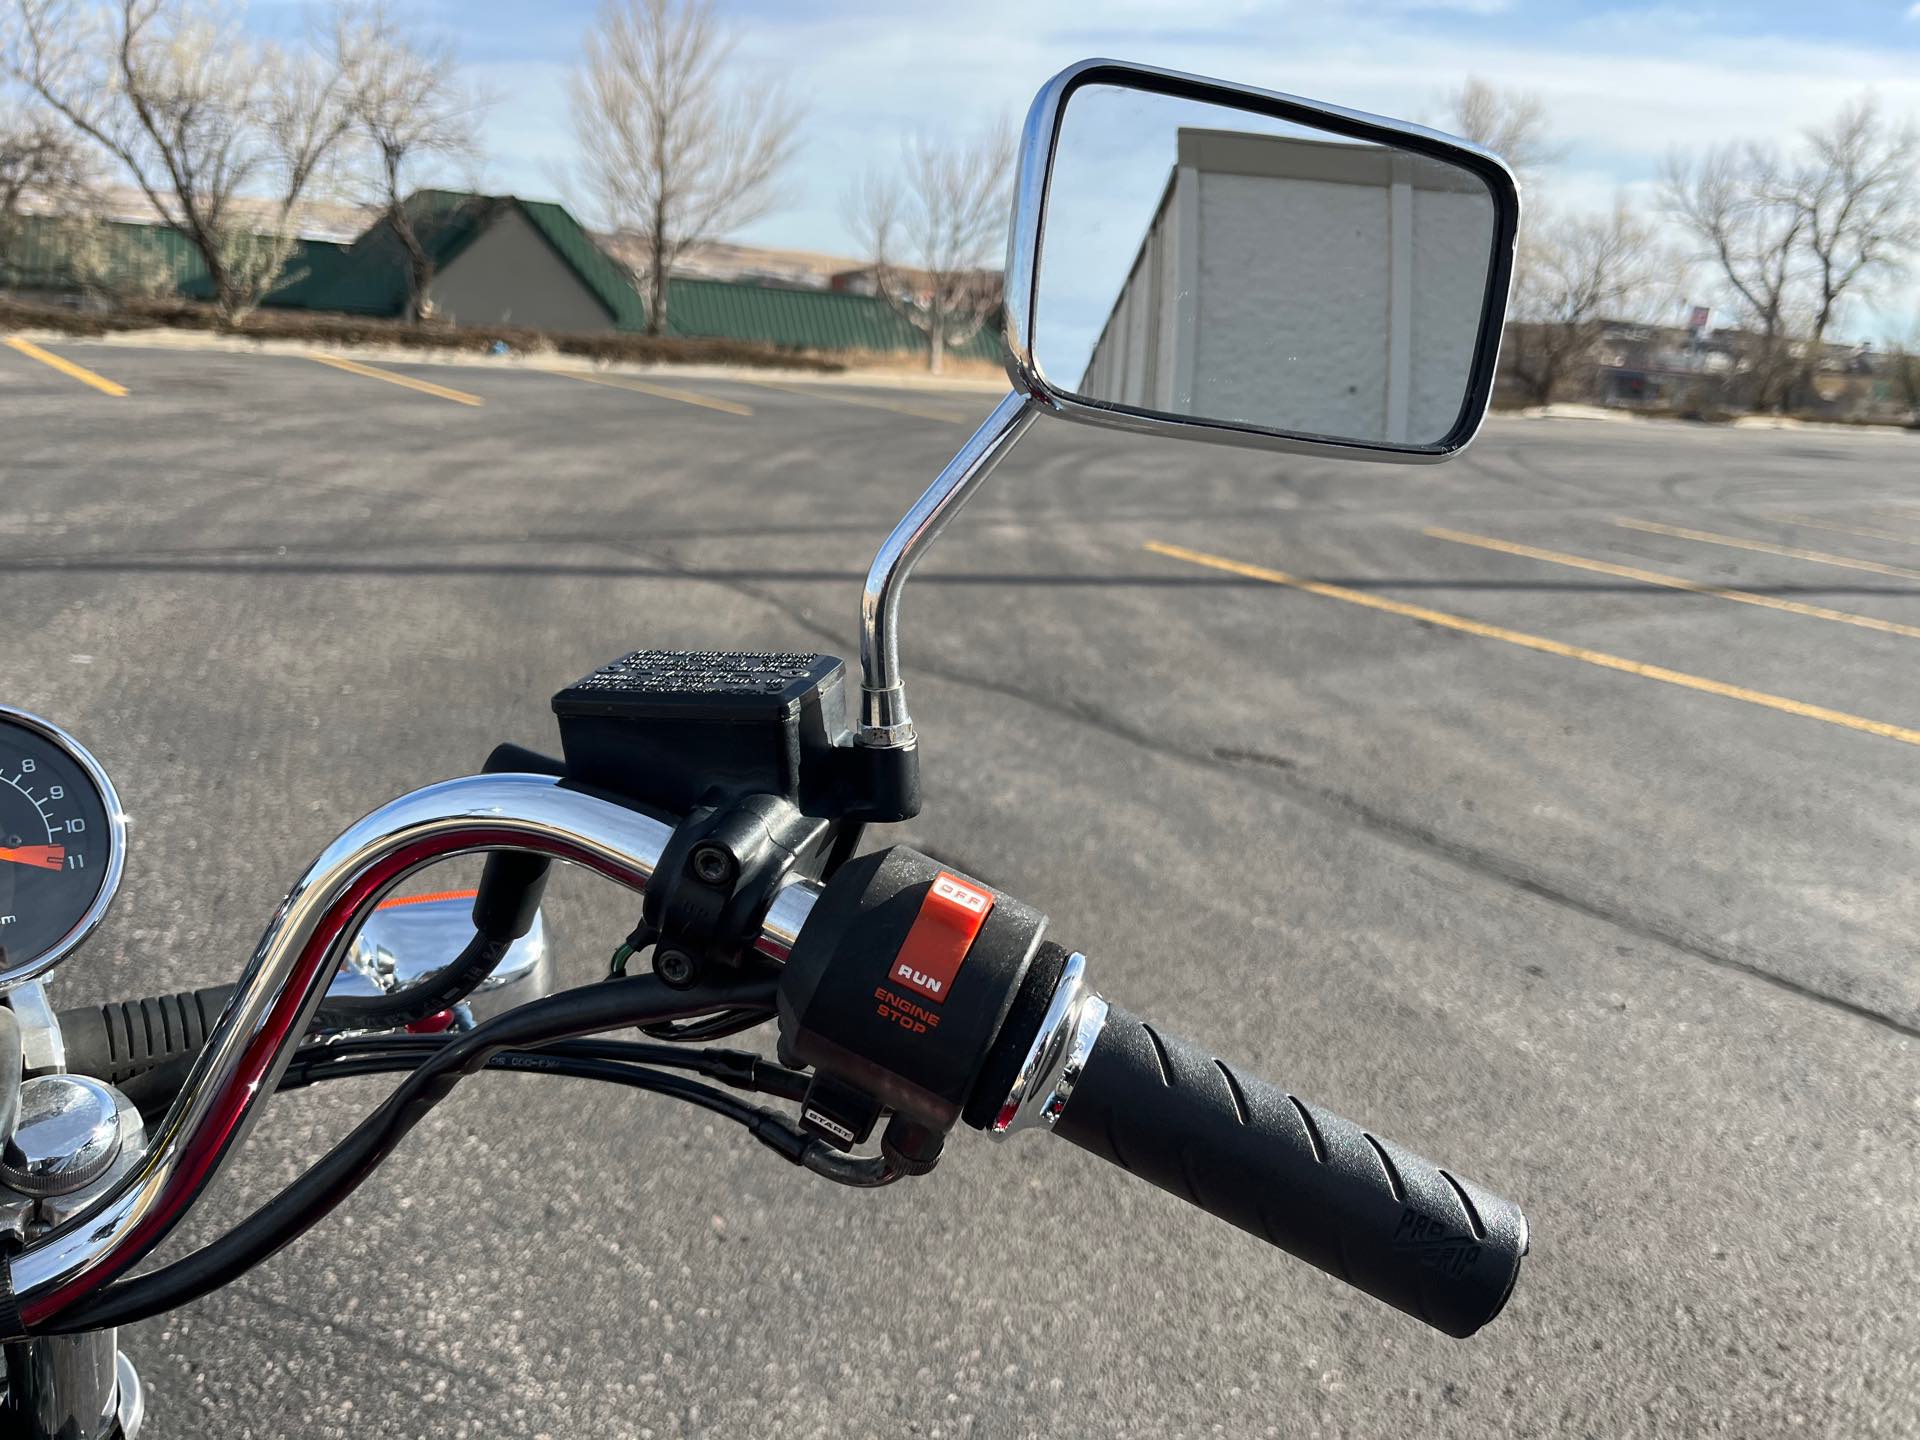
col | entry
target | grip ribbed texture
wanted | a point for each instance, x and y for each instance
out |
(128, 1039)
(1319, 1187)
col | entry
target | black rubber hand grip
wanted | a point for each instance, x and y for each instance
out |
(142, 1046)
(1319, 1187)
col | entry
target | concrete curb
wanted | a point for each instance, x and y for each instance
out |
(191, 340)
(1607, 416)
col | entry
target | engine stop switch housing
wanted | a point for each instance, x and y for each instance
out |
(901, 979)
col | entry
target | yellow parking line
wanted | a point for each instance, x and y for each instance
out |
(425, 387)
(1675, 582)
(919, 412)
(663, 392)
(67, 367)
(1543, 645)
(1766, 547)
(1866, 531)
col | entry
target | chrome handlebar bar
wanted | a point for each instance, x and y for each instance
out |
(288, 974)
(1171, 1100)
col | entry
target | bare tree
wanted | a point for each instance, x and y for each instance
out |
(1903, 368)
(1733, 203)
(1514, 125)
(1857, 193)
(677, 155)
(1792, 240)
(42, 168)
(933, 230)
(46, 177)
(42, 165)
(1580, 271)
(409, 108)
(1903, 363)
(49, 179)
(197, 114)
(1511, 123)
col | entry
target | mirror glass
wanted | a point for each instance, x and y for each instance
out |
(1221, 265)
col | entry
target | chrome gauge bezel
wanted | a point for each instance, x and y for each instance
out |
(77, 934)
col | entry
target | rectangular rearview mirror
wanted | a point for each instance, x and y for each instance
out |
(1243, 266)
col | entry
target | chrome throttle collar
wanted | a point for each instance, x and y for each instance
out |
(1059, 1053)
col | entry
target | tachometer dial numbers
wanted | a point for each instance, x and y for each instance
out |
(61, 845)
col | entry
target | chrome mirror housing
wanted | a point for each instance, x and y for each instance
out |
(1378, 341)
(1217, 262)
(407, 938)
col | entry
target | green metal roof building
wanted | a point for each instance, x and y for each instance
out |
(497, 260)
(42, 252)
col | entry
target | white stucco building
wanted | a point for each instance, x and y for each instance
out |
(1306, 285)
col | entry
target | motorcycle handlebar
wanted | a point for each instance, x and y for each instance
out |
(285, 980)
(1315, 1185)
(1319, 1187)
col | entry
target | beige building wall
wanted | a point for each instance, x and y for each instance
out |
(1330, 289)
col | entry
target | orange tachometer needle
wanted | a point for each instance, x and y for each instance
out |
(47, 857)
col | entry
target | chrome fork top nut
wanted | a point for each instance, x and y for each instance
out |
(66, 1136)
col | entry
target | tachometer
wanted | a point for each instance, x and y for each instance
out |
(62, 844)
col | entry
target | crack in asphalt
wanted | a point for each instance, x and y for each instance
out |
(1280, 779)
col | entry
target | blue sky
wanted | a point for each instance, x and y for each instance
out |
(1623, 82)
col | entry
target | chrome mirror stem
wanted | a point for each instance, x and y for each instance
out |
(884, 721)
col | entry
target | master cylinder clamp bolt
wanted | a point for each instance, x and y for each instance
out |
(713, 864)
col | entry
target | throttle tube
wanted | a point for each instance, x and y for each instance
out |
(1350, 1203)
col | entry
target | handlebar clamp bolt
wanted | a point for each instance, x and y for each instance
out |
(713, 864)
(676, 967)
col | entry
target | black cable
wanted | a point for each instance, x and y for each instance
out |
(861, 1172)
(614, 1004)
(506, 904)
(717, 1027)
(846, 840)
(154, 1090)
(441, 990)
(350, 1067)
(741, 1069)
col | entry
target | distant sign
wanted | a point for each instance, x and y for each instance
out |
(1698, 320)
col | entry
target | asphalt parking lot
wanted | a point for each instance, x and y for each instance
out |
(1550, 812)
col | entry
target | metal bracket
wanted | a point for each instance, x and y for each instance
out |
(42, 1049)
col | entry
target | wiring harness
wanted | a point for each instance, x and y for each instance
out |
(543, 1036)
